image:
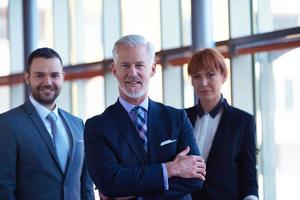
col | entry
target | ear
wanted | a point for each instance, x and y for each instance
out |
(63, 75)
(153, 68)
(224, 77)
(113, 69)
(26, 77)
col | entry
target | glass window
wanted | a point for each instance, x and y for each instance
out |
(220, 20)
(4, 100)
(4, 42)
(272, 15)
(88, 97)
(186, 22)
(45, 17)
(86, 43)
(155, 85)
(142, 17)
(91, 26)
(278, 114)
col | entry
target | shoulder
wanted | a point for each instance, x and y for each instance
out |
(191, 110)
(69, 116)
(237, 113)
(163, 107)
(13, 113)
(166, 111)
(105, 116)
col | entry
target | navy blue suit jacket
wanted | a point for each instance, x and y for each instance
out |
(231, 164)
(117, 161)
(29, 167)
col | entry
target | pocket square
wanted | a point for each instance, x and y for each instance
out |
(167, 142)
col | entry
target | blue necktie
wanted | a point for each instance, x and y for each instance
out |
(140, 123)
(59, 140)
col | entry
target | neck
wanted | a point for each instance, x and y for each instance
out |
(49, 106)
(209, 105)
(134, 101)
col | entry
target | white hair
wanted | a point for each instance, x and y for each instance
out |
(134, 41)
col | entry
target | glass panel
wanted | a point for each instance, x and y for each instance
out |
(146, 18)
(278, 115)
(86, 31)
(4, 42)
(186, 22)
(220, 20)
(88, 97)
(92, 44)
(276, 14)
(188, 90)
(45, 10)
(4, 100)
(155, 85)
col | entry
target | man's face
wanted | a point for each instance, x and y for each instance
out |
(133, 71)
(45, 80)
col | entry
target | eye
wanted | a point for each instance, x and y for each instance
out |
(38, 75)
(125, 65)
(139, 65)
(211, 74)
(55, 75)
(195, 76)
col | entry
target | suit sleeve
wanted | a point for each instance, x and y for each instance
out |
(248, 160)
(8, 161)
(87, 192)
(182, 186)
(111, 177)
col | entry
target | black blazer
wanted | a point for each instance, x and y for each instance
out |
(231, 164)
(117, 161)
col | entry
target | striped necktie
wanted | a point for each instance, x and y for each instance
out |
(140, 123)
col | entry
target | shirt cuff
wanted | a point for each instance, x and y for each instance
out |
(251, 197)
(165, 175)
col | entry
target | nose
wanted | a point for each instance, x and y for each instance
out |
(47, 80)
(133, 70)
(203, 82)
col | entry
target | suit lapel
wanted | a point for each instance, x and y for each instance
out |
(155, 129)
(123, 123)
(38, 123)
(220, 140)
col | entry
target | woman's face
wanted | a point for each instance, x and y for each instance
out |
(207, 85)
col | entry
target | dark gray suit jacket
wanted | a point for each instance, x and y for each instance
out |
(29, 167)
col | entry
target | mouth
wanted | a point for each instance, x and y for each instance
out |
(204, 91)
(47, 90)
(133, 83)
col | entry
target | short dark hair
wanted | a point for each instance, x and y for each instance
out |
(44, 52)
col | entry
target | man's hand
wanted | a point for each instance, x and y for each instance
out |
(187, 166)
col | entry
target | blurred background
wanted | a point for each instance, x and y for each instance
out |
(259, 38)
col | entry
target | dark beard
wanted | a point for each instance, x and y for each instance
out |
(45, 101)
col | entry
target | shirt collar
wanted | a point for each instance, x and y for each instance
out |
(42, 110)
(128, 107)
(214, 111)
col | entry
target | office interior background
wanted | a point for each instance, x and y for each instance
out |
(259, 38)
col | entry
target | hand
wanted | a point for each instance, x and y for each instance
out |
(187, 166)
(103, 197)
